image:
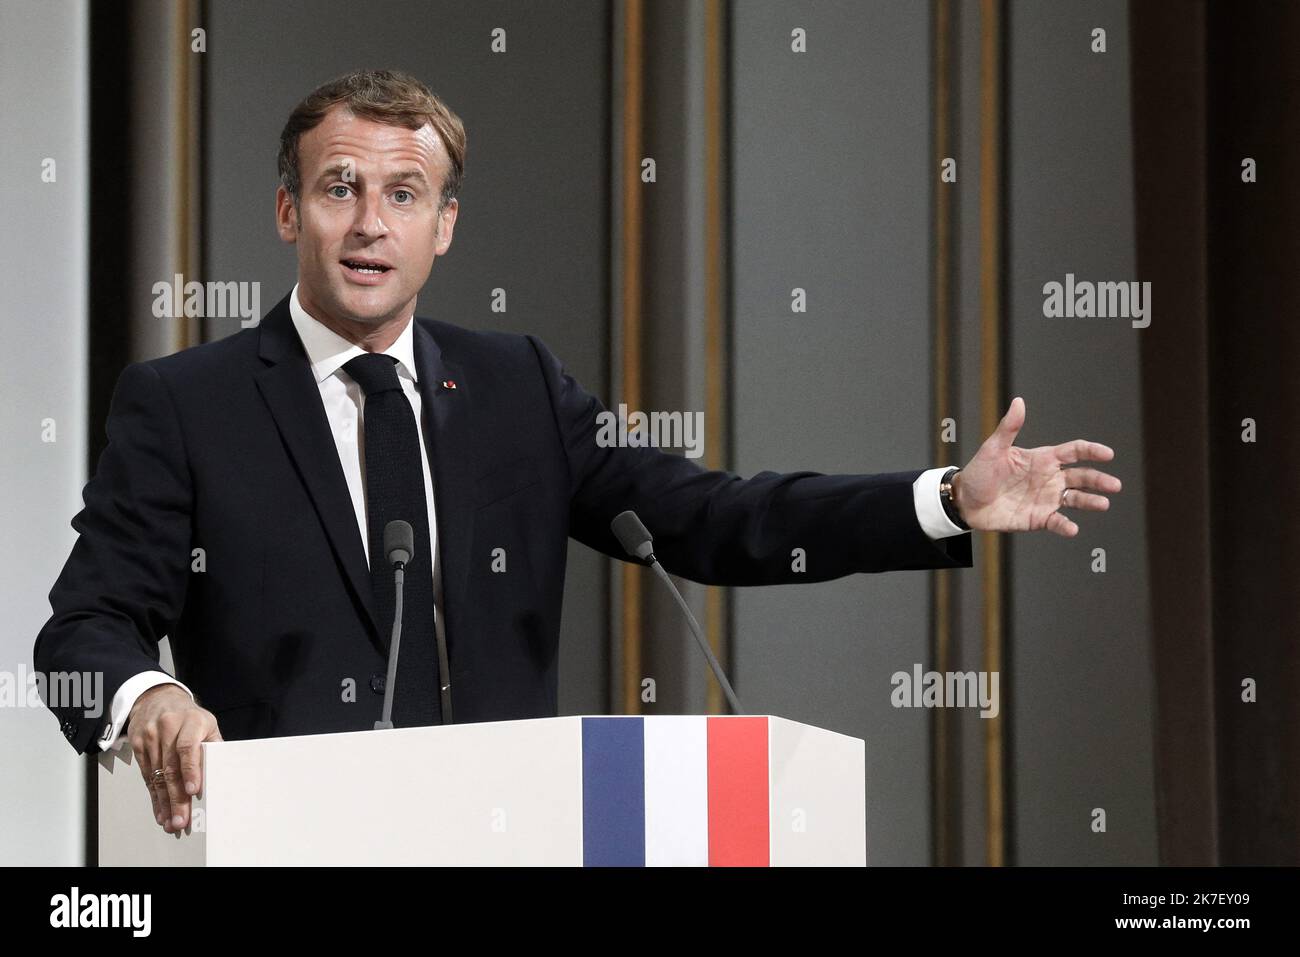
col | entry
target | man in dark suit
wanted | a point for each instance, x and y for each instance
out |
(241, 502)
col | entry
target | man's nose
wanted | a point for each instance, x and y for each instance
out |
(368, 222)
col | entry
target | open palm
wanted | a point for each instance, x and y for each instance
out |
(1009, 489)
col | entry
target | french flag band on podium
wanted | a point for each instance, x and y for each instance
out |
(676, 790)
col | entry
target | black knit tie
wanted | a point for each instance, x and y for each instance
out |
(395, 490)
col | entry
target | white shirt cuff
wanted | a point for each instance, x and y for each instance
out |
(124, 700)
(933, 519)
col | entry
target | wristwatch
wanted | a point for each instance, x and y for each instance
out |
(945, 497)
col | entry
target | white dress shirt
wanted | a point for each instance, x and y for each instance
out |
(344, 407)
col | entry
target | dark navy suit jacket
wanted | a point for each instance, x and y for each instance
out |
(226, 447)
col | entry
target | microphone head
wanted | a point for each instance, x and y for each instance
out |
(399, 541)
(632, 535)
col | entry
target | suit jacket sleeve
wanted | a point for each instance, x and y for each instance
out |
(123, 586)
(717, 528)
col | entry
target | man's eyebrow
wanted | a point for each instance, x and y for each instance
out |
(414, 174)
(337, 171)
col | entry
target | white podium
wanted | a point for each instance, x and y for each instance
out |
(696, 790)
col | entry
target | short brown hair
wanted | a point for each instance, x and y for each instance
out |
(385, 96)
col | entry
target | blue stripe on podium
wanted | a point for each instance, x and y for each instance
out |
(613, 792)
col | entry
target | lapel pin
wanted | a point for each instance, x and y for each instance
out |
(448, 383)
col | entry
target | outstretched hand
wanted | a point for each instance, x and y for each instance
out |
(1009, 489)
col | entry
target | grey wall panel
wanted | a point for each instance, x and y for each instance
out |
(533, 206)
(832, 194)
(1079, 641)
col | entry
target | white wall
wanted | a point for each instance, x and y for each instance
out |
(43, 113)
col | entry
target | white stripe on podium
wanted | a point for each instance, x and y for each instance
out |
(676, 791)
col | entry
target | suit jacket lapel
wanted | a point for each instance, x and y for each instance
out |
(453, 461)
(291, 393)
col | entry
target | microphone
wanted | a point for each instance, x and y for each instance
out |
(638, 543)
(399, 546)
(399, 541)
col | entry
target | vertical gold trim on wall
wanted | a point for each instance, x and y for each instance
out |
(991, 376)
(185, 71)
(633, 84)
(715, 358)
(945, 779)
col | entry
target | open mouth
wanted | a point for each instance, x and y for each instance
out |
(367, 267)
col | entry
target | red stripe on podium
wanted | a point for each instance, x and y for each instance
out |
(738, 789)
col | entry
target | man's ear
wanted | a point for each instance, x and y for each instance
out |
(446, 225)
(287, 221)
